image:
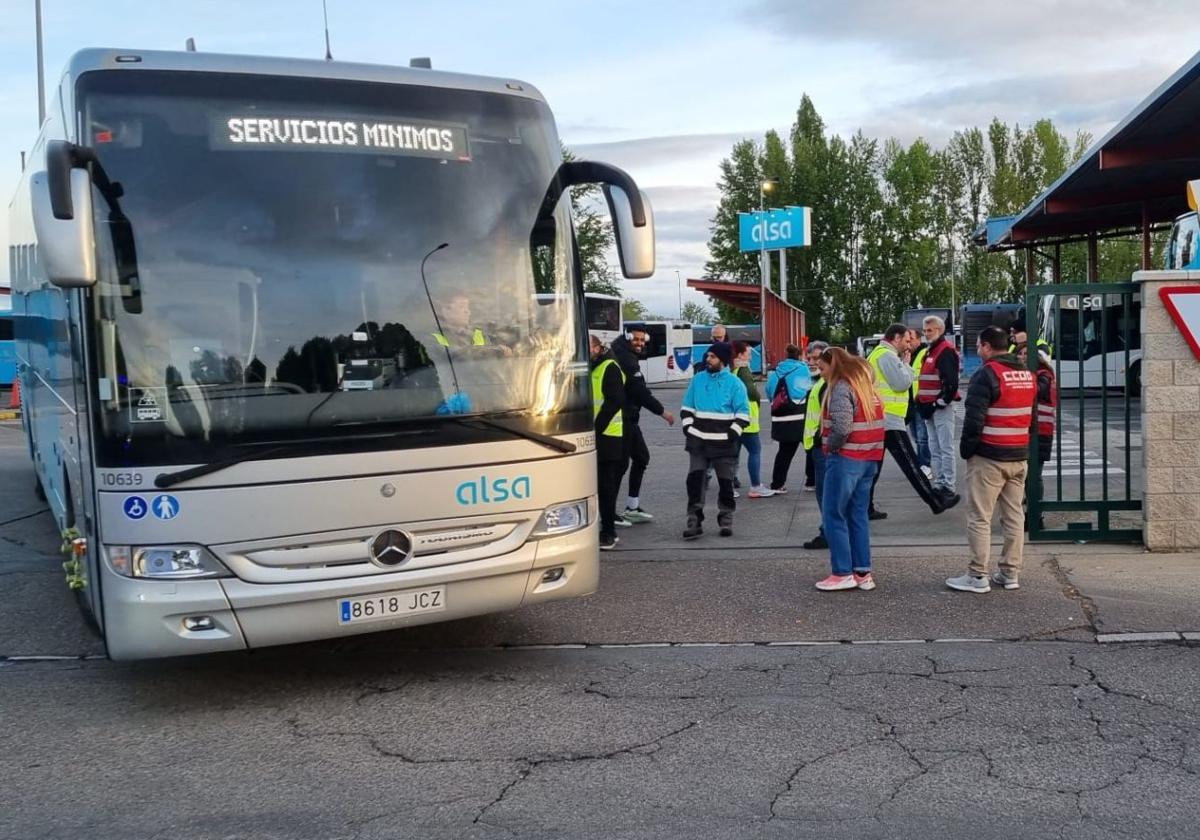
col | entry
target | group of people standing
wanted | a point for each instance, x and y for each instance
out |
(846, 412)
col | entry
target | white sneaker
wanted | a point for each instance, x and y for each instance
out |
(761, 492)
(928, 472)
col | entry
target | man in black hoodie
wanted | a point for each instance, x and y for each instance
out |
(628, 352)
(995, 444)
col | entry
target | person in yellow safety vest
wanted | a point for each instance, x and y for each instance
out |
(916, 426)
(456, 331)
(608, 400)
(893, 382)
(812, 443)
(1020, 338)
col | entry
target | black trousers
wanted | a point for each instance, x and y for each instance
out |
(608, 485)
(639, 457)
(898, 443)
(810, 467)
(783, 462)
(697, 486)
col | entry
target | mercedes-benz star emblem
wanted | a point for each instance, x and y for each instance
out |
(391, 548)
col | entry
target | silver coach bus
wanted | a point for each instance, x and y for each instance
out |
(283, 374)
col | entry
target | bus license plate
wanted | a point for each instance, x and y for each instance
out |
(391, 605)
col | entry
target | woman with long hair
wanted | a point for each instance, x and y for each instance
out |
(852, 434)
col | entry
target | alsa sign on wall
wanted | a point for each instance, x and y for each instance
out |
(770, 230)
(1183, 304)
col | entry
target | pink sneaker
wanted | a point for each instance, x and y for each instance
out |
(835, 582)
(865, 582)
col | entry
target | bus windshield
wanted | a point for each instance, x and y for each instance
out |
(270, 264)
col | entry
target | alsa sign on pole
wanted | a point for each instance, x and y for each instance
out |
(775, 229)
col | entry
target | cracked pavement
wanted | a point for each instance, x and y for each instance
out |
(449, 731)
(1038, 739)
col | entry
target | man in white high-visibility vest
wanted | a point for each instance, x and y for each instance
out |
(893, 379)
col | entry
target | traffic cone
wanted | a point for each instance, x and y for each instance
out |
(14, 399)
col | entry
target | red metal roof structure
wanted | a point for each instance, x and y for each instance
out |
(784, 322)
(1131, 181)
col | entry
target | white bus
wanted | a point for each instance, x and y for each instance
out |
(601, 313)
(668, 353)
(283, 374)
(1107, 353)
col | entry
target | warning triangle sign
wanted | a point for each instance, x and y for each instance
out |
(1183, 303)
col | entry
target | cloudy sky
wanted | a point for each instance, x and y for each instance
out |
(664, 88)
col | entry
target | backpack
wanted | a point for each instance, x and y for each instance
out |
(781, 397)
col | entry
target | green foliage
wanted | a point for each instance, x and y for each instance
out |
(891, 224)
(694, 313)
(634, 310)
(593, 237)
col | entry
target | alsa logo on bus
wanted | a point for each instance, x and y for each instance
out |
(484, 491)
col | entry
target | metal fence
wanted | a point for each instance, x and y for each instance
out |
(1091, 485)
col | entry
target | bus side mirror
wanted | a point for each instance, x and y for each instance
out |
(635, 242)
(61, 200)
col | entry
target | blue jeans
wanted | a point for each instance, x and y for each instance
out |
(753, 446)
(941, 448)
(920, 436)
(846, 495)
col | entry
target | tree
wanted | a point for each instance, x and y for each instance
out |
(694, 313)
(633, 309)
(593, 238)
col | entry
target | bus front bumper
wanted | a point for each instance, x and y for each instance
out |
(147, 619)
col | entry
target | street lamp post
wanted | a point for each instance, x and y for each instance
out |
(764, 187)
(679, 291)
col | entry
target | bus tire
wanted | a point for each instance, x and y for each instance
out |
(1133, 379)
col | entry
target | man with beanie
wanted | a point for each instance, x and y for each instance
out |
(715, 413)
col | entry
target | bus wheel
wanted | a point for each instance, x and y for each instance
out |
(1133, 379)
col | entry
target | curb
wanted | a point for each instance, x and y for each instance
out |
(10, 415)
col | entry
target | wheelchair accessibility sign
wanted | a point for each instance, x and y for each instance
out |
(164, 507)
(135, 508)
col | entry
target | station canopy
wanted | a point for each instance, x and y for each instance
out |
(1133, 179)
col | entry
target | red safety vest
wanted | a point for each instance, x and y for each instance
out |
(1045, 410)
(865, 441)
(929, 381)
(1008, 419)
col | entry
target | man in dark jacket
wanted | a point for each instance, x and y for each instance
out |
(608, 400)
(628, 352)
(995, 444)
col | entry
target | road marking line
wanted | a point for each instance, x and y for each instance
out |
(1113, 638)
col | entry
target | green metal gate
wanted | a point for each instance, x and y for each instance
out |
(1087, 489)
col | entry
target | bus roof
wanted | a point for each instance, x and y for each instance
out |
(132, 61)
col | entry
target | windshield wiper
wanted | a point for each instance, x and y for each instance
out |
(548, 441)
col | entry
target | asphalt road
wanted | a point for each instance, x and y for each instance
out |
(706, 691)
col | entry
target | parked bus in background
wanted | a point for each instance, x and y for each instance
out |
(203, 246)
(8, 350)
(601, 313)
(1182, 250)
(669, 350)
(976, 317)
(1097, 340)
(749, 333)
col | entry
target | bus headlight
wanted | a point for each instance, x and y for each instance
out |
(164, 562)
(562, 519)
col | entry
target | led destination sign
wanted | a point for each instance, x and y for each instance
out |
(309, 133)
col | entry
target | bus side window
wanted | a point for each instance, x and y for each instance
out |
(1185, 255)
